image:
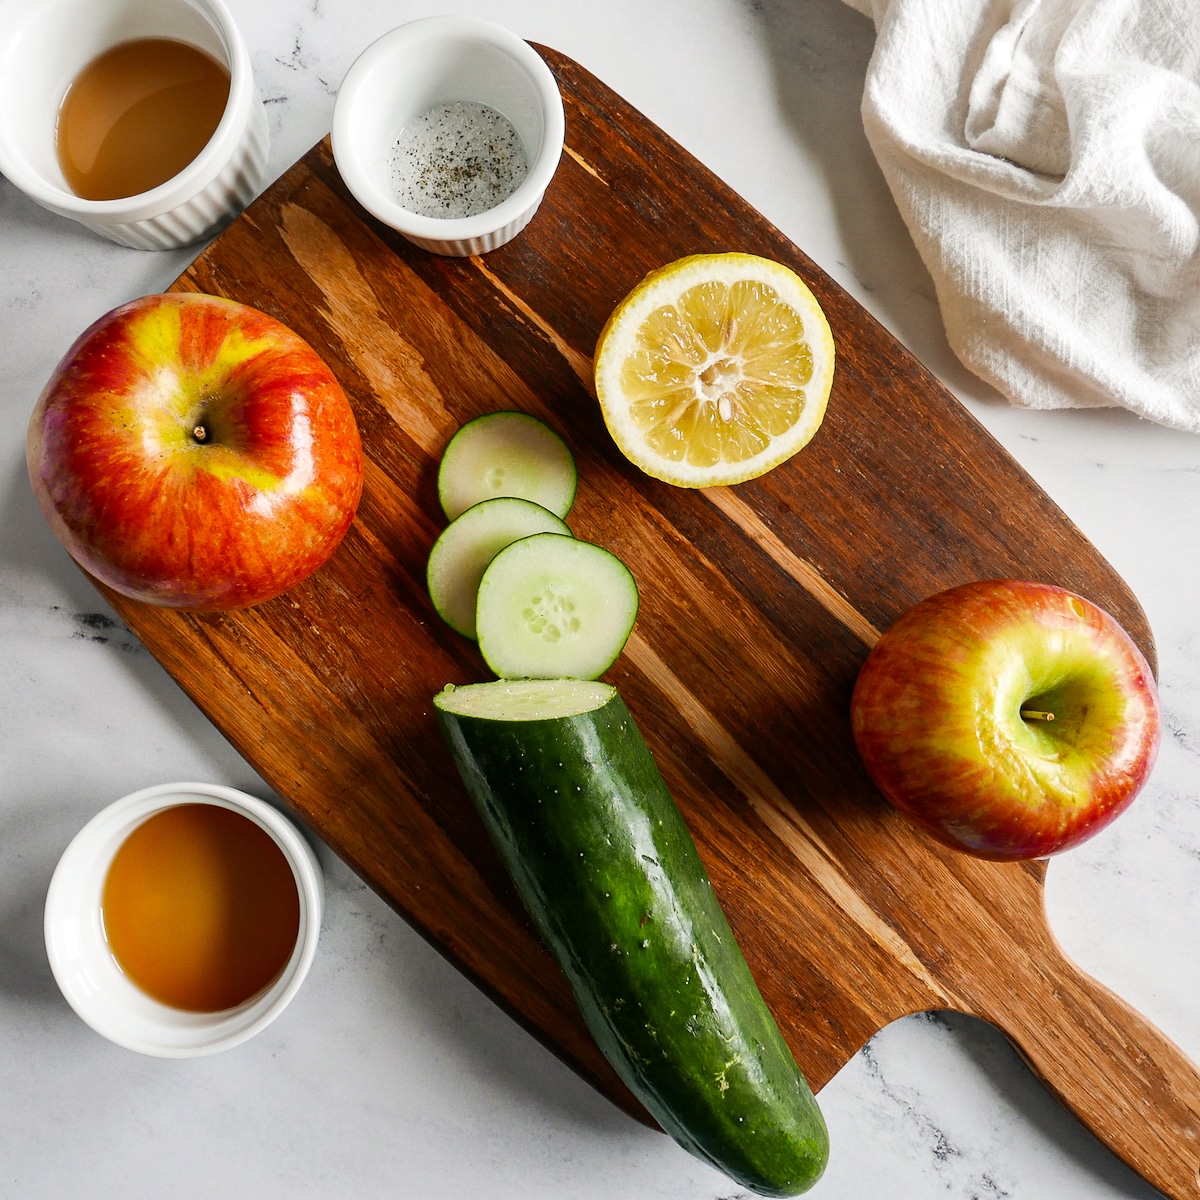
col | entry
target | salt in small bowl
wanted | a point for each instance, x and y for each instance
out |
(426, 64)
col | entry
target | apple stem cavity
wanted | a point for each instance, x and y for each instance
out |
(1033, 714)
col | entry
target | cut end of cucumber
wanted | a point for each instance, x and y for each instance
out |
(524, 699)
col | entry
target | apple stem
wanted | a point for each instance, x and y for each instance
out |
(200, 433)
(1033, 714)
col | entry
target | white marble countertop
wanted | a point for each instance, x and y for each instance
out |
(391, 1075)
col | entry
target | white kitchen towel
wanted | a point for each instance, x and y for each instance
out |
(1045, 155)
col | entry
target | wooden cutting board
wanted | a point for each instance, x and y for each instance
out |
(759, 604)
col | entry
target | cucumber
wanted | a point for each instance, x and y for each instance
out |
(551, 606)
(506, 454)
(461, 554)
(604, 863)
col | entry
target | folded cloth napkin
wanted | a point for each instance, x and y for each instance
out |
(1045, 155)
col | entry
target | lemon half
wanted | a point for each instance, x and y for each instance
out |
(714, 369)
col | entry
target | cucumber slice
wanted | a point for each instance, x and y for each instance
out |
(552, 607)
(466, 546)
(604, 863)
(506, 454)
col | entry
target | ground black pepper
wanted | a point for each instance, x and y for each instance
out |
(457, 160)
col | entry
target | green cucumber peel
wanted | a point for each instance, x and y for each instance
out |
(605, 865)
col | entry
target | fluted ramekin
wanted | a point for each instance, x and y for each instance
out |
(439, 60)
(44, 46)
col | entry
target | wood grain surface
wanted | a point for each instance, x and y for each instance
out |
(759, 604)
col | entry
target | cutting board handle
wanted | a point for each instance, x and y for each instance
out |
(1119, 1074)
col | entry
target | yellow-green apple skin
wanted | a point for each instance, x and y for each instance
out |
(1009, 719)
(193, 452)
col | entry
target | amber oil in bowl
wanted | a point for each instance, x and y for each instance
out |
(136, 115)
(200, 907)
(182, 919)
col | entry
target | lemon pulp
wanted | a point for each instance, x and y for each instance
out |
(714, 369)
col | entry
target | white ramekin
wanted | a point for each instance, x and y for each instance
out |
(84, 966)
(438, 60)
(43, 47)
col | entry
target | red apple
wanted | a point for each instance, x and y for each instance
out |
(192, 452)
(1009, 719)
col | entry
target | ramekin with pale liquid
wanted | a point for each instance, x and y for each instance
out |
(43, 48)
(88, 971)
